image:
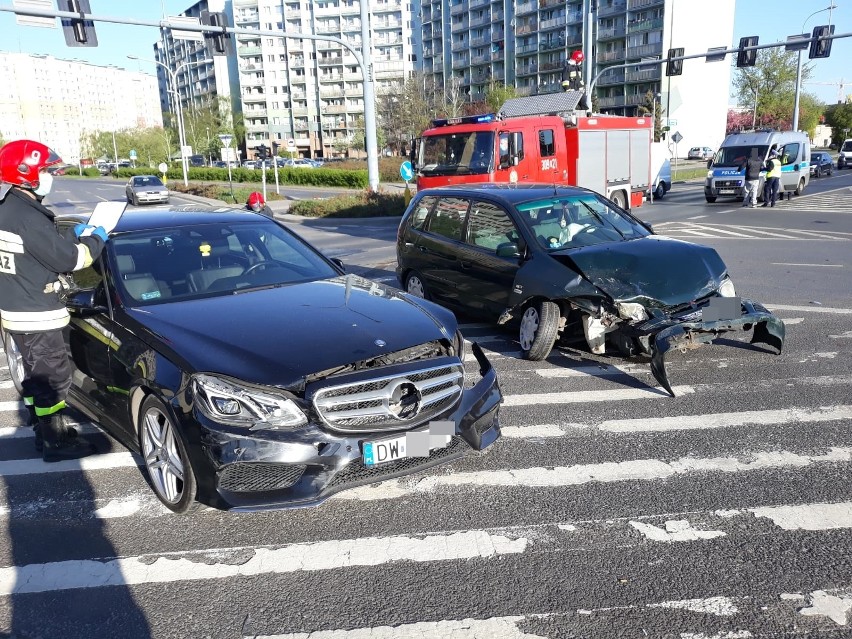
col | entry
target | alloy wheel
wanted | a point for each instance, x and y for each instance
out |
(162, 456)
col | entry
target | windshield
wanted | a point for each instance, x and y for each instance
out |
(147, 181)
(738, 155)
(168, 265)
(457, 153)
(847, 146)
(575, 221)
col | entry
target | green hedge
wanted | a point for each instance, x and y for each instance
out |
(361, 205)
(304, 177)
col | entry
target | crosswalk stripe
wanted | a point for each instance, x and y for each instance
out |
(604, 472)
(222, 563)
(582, 397)
(701, 227)
(18, 467)
(809, 309)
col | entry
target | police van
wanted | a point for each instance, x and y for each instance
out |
(726, 171)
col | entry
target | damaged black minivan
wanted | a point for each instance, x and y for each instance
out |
(566, 261)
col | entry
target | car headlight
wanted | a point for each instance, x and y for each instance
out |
(727, 288)
(631, 311)
(709, 174)
(458, 345)
(228, 402)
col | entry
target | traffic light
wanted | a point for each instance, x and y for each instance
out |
(674, 67)
(261, 152)
(747, 58)
(821, 47)
(78, 33)
(219, 42)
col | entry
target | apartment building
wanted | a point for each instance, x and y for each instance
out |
(58, 101)
(311, 92)
(525, 44)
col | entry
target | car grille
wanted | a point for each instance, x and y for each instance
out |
(356, 471)
(249, 477)
(721, 184)
(391, 402)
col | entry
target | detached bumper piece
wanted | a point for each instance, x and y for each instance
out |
(684, 336)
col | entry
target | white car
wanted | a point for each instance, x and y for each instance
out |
(299, 163)
(844, 159)
(146, 189)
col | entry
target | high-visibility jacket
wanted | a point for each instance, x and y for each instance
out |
(32, 255)
(774, 168)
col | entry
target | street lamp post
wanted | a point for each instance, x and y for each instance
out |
(799, 67)
(173, 77)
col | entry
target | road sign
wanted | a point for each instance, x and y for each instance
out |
(163, 167)
(132, 155)
(672, 122)
(186, 150)
(226, 139)
(291, 143)
(676, 137)
(406, 171)
(178, 34)
(34, 21)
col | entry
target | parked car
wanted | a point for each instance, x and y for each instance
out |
(299, 163)
(299, 382)
(249, 164)
(700, 153)
(220, 164)
(57, 169)
(566, 263)
(147, 189)
(821, 164)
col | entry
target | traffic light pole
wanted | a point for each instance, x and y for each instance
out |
(364, 63)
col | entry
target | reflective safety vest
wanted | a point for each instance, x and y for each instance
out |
(775, 169)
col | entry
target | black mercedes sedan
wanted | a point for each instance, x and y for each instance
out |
(252, 372)
(567, 263)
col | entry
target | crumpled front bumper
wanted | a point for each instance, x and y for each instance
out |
(680, 334)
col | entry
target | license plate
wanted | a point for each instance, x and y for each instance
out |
(382, 451)
(727, 191)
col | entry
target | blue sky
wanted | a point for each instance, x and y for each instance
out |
(771, 20)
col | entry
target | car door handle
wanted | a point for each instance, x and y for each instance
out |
(422, 249)
(465, 265)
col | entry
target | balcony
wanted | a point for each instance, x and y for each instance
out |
(247, 18)
(352, 25)
(334, 108)
(611, 9)
(611, 78)
(553, 23)
(479, 42)
(245, 51)
(635, 99)
(611, 102)
(459, 26)
(460, 45)
(460, 62)
(457, 9)
(475, 4)
(254, 113)
(480, 59)
(528, 69)
(611, 33)
(498, 35)
(525, 8)
(252, 80)
(257, 128)
(330, 77)
(476, 22)
(296, 63)
(644, 25)
(497, 56)
(386, 24)
(254, 97)
(438, 61)
(526, 49)
(645, 50)
(544, 4)
(328, 27)
(643, 4)
(611, 56)
(644, 75)
(329, 61)
(575, 16)
(526, 28)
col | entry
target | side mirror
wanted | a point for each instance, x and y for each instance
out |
(709, 163)
(647, 225)
(509, 249)
(339, 263)
(82, 303)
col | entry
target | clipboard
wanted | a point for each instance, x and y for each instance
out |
(107, 215)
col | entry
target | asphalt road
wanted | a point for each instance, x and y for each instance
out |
(608, 509)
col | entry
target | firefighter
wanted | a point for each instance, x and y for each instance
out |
(257, 204)
(33, 257)
(572, 77)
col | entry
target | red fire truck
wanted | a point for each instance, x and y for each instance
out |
(540, 139)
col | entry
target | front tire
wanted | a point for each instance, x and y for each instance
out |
(16, 363)
(660, 192)
(710, 199)
(166, 460)
(414, 285)
(801, 188)
(539, 326)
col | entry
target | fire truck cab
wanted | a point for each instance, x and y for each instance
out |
(540, 139)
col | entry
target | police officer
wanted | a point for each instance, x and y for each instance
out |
(32, 256)
(773, 179)
(572, 77)
(257, 204)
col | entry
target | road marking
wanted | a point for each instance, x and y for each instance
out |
(831, 606)
(223, 563)
(792, 264)
(696, 217)
(719, 230)
(679, 530)
(809, 309)
(808, 516)
(35, 466)
(581, 397)
(720, 606)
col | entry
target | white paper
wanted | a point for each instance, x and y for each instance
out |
(107, 214)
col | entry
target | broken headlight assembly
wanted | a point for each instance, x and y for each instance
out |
(228, 402)
(631, 311)
(726, 289)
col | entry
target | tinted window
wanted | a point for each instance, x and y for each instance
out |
(448, 217)
(489, 226)
(738, 155)
(789, 153)
(147, 181)
(546, 146)
(417, 220)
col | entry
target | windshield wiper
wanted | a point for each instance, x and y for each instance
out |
(602, 221)
(262, 287)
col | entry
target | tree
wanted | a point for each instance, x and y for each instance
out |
(768, 89)
(738, 121)
(839, 118)
(652, 106)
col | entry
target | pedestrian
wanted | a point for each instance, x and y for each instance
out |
(257, 204)
(753, 166)
(773, 179)
(33, 257)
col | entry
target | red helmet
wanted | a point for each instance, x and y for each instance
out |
(578, 56)
(21, 161)
(256, 201)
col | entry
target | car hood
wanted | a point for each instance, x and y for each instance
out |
(654, 271)
(277, 336)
